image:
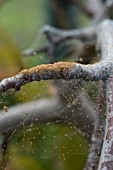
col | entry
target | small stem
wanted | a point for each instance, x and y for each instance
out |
(106, 159)
(57, 36)
(98, 133)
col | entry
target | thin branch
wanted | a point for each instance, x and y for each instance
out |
(50, 110)
(43, 110)
(60, 70)
(58, 36)
(106, 160)
(98, 133)
(33, 52)
(85, 34)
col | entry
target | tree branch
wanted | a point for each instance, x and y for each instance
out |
(106, 159)
(69, 70)
(58, 36)
(37, 111)
(60, 70)
(50, 110)
(98, 132)
(106, 45)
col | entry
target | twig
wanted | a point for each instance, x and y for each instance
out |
(50, 110)
(60, 70)
(33, 52)
(69, 70)
(106, 160)
(98, 133)
(58, 36)
(85, 34)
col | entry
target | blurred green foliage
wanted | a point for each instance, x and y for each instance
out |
(10, 57)
(49, 146)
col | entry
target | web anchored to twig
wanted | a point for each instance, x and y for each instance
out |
(70, 70)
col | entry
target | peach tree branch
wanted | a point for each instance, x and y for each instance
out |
(60, 70)
(69, 70)
(50, 110)
(106, 159)
(106, 45)
(98, 132)
(56, 36)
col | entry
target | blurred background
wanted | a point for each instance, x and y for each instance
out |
(47, 146)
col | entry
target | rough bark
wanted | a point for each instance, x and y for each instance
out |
(106, 159)
(106, 45)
